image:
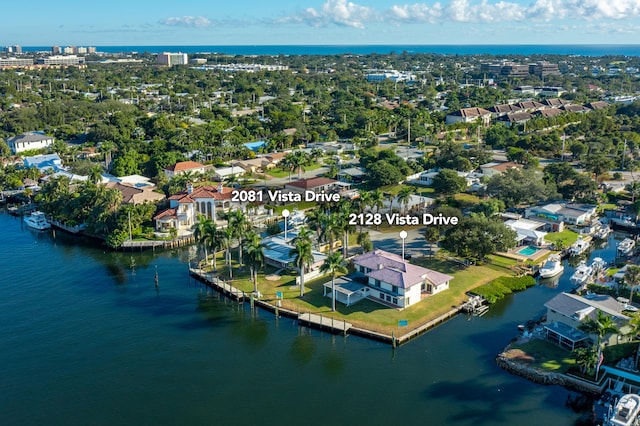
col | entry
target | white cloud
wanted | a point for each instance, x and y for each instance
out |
(187, 21)
(349, 14)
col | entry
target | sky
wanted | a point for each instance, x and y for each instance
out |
(320, 22)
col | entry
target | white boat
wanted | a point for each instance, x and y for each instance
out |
(625, 412)
(297, 218)
(603, 233)
(37, 220)
(582, 274)
(552, 267)
(598, 266)
(579, 247)
(625, 247)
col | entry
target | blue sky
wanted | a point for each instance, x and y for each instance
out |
(261, 22)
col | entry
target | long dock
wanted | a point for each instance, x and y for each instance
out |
(218, 284)
(322, 322)
(325, 323)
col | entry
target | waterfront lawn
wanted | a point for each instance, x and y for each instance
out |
(568, 235)
(366, 313)
(544, 355)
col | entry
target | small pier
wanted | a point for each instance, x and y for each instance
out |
(217, 284)
(324, 323)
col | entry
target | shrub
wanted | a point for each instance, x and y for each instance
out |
(500, 287)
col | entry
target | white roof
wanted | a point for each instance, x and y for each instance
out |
(229, 171)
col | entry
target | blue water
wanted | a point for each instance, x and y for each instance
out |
(471, 49)
(86, 338)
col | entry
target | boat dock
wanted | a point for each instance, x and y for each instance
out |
(217, 284)
(318, 321)
(325, 323)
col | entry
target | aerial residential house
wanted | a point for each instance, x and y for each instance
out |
(566, 312)
(316, 184)
(276, 157)
(469, 115)
(576, 108)
(515, 118)
(136, 195)
(185, 206)
(28, 141)
(254, 165)
(44, 162)
(556, 102)
(496, 168)
(223, 173)
(504, 109)
(598, 105)
(183, 167)
(549, 112)
(572, 214)
(531, 106)
(396, 282)
(351, 175)
(528, 232)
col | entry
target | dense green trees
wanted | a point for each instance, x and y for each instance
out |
(520, 186)
(448, 182)
(477, 236)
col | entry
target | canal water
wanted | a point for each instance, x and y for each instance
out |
(87, 338)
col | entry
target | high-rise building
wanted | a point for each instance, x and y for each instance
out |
(56, 50)
(170, 59)
(544, 68)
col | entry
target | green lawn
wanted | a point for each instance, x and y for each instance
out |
(544, 355)
(366, 313)
(569, 236)
(302, 205)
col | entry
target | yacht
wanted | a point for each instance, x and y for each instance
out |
(582, 274)
(552, 267)
(625, 412)
(598, 266)
(37, 220)
(603, 232)
(579, 247)
(625, 247)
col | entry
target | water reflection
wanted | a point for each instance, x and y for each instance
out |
(303, 347)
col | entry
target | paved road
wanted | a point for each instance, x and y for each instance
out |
(414, 245)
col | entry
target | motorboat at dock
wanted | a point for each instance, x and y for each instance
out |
(625, 247)
(37, 220)
(579, 247)
(582, 274)
(552, 267)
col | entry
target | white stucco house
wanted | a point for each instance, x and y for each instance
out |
(28, 141)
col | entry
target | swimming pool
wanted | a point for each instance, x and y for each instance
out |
(528, 251)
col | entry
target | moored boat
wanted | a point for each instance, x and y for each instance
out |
(626, 246)
(603, 233)
(625, 412)
(579, 247)
(552, 267)
(582, 274)
(37, 220)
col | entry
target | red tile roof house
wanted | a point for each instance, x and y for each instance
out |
(396, 282)
(184, 167)
(185, 206)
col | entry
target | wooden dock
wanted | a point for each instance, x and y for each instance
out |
(217, 284)
(325, 323)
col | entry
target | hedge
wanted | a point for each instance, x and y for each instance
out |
(500, 287)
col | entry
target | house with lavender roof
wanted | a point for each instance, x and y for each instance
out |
(394, 281)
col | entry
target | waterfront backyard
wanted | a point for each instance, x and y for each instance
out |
(368, 314)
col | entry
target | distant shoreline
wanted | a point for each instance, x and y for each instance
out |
(477, 49)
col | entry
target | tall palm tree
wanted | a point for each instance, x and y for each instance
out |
(334, 264)
(303, 254)
(255, 256)
(201, 233)
(377, 200)
(404, 196)
(240, 225)
(330, 229)
(316, 219)
(226, 239)
(344, 210)
(632, 279)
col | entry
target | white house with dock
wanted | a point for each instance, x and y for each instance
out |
(393, 281)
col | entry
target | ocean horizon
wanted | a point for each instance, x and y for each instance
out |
(475, 49)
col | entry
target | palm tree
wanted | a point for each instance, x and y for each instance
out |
(377, 200)
(333, 264)
(240, 224)
(95, 175)
(330, 229)
(632, 279)
(303, 254)
(201, 233)
(344, 211)
(226, 239)
(255, 256)
(404, 196)
(215, 237)
(600, 326)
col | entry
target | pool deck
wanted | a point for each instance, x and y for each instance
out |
(515, 254)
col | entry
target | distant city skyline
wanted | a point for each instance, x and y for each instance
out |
(321, 22)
